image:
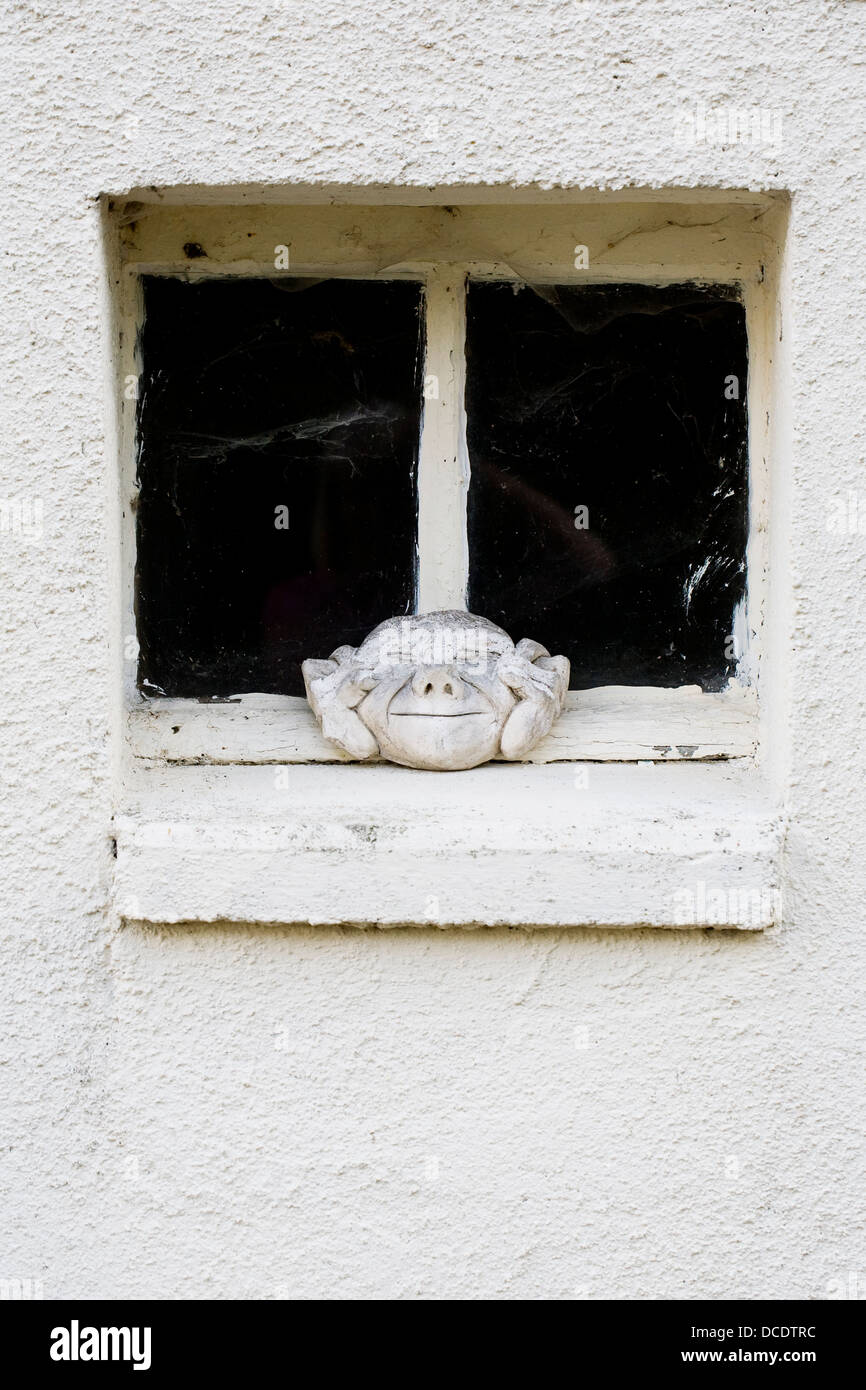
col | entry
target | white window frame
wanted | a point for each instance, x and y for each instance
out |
(731, 238)
(618, 723)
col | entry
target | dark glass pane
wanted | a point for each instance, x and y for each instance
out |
(262, 395)
(616, 399)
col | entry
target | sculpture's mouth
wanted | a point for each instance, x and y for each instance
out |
(436, 714)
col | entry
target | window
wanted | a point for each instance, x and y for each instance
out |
(564, 452)
(278, 424)
(608, 494)
(553, 417)
(277, 516)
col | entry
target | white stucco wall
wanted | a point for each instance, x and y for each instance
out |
(235, 1111)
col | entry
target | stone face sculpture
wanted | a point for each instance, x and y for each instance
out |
(442, 691)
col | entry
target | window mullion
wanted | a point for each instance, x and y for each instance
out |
(443, 465)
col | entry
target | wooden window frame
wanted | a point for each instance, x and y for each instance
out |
(648, 242)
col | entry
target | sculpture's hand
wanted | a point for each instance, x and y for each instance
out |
(334, 688)
(539, 681)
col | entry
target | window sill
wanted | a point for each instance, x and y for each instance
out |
(691, 845)
(615, 723)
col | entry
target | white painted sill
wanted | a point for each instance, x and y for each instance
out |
(611, 723)
(617, 845)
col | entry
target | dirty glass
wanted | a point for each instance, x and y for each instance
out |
(608, 496)
(278, 427)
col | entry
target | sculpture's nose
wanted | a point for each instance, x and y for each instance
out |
(437, 682)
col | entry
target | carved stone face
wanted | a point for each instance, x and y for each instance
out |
(443, 691)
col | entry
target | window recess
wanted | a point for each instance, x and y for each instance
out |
(435, 408)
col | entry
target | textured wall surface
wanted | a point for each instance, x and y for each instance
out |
(229, 1111)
